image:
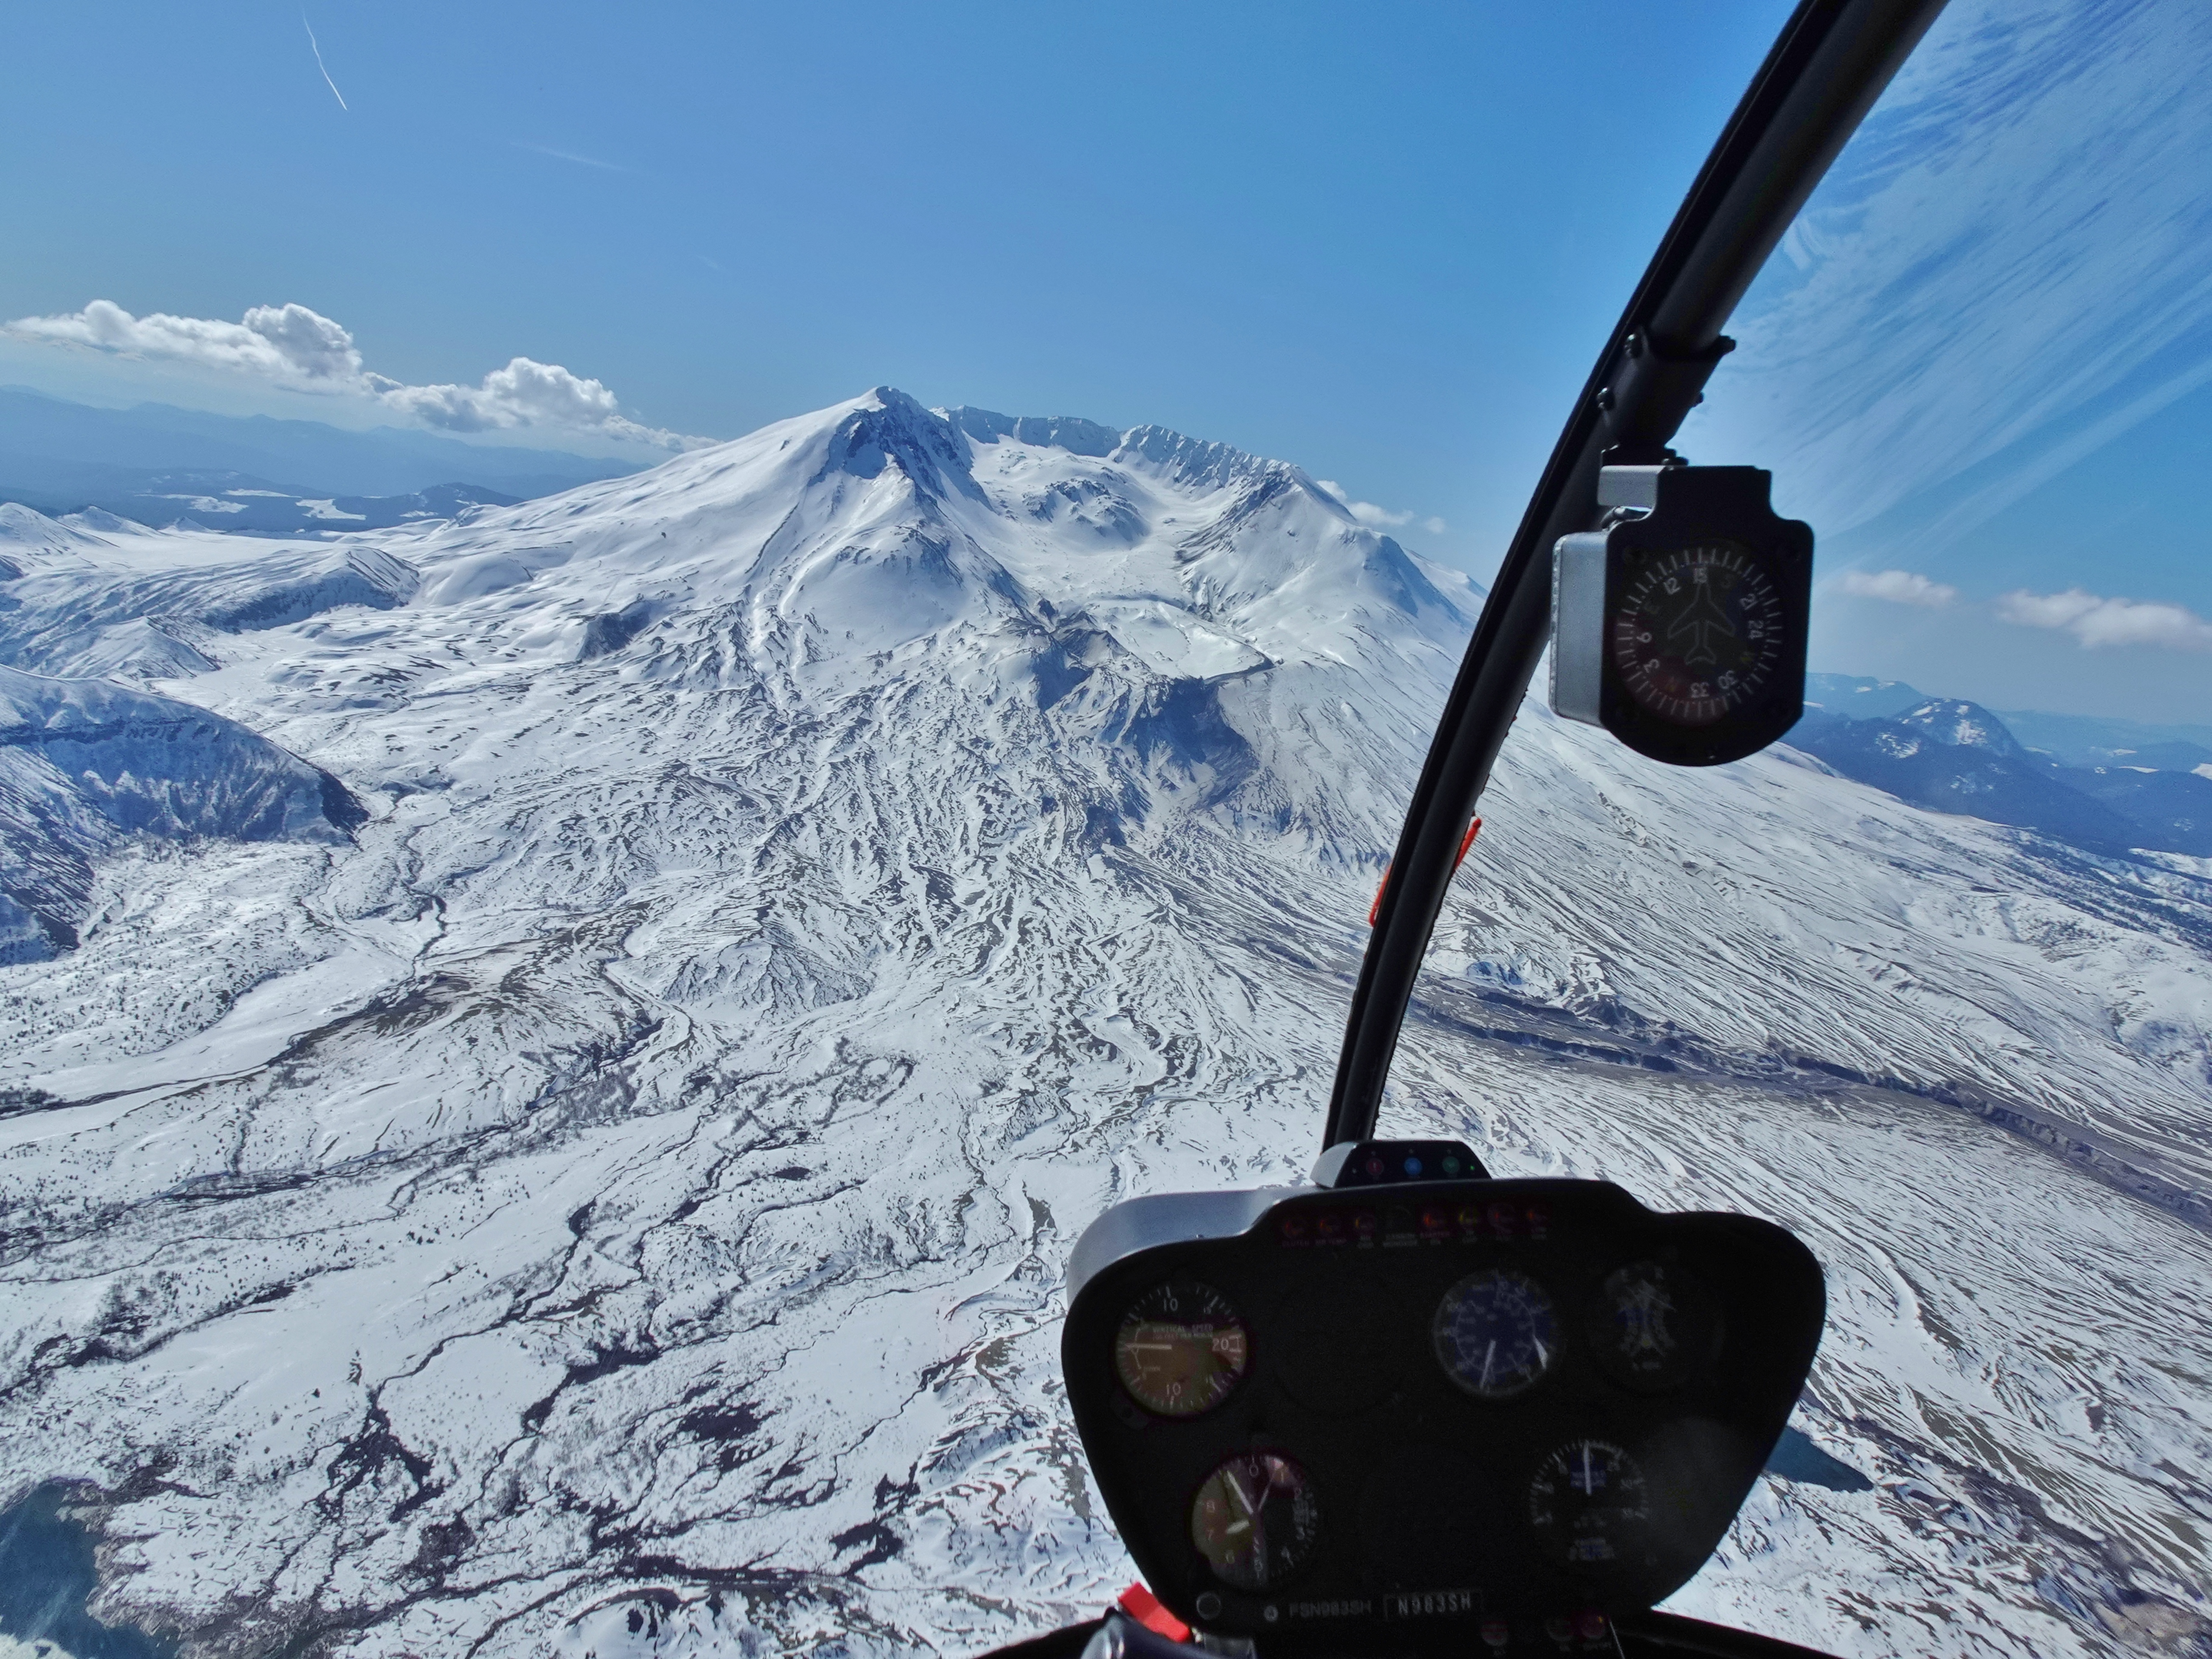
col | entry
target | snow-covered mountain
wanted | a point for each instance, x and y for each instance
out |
(610, 1192)
(1959, 757)
(86, 764)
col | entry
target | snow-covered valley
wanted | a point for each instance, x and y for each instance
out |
(551, 1063)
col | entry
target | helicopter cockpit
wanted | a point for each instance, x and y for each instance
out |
(714, 1048)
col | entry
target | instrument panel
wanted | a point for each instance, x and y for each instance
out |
(1449, 1402)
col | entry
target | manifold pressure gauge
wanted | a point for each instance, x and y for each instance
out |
(1681, 627)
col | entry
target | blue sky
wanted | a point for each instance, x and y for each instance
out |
(1383, 242)
(1376, 242)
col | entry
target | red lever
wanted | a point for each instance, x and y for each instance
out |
(1142, 1605)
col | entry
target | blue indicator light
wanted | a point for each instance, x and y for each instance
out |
(1412, 1166)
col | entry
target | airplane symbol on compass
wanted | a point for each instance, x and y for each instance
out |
(1703, 622)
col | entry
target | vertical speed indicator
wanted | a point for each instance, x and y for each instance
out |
(1699, 632)
(1182, 1349)
(1588, 1502)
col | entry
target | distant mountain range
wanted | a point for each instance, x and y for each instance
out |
(154, 464)
(2101, 785)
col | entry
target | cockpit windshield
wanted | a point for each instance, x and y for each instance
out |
(573, 971)
(1981, 364)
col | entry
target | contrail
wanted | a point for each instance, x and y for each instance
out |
(317, 51)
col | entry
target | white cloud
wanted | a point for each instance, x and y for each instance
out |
(2096, 621)
(525, 392)
(1374, 516)
(1898, 587)
(295, 347)
(290, 343)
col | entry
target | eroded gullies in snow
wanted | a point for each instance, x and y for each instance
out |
(618, 1199)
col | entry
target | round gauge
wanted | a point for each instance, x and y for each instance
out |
(1495, 1333)
(1182, 1349)
(1654, 1327)
(1255, 1520)
(1699, 632)
(1586, 1499)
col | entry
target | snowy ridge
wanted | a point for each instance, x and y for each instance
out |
(86, 764)
(618, 1201)
(156, 617)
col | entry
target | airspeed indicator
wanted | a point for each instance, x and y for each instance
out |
(1496, 1333)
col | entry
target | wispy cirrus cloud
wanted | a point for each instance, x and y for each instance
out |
(295, 347)
(1898, 587)
(315, 46)
(2096, 620)
(1379, 518)
(569, 156)
(1962, 298)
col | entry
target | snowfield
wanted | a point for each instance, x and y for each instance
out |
(551, 1063)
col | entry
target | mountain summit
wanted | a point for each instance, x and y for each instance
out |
(889, 521)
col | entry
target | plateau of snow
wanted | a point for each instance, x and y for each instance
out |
(606, 1190)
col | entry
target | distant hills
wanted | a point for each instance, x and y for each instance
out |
(155, 464)
(2103, 785)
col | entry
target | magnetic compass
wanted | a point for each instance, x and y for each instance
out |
(1680, 627)
(1697, 634)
